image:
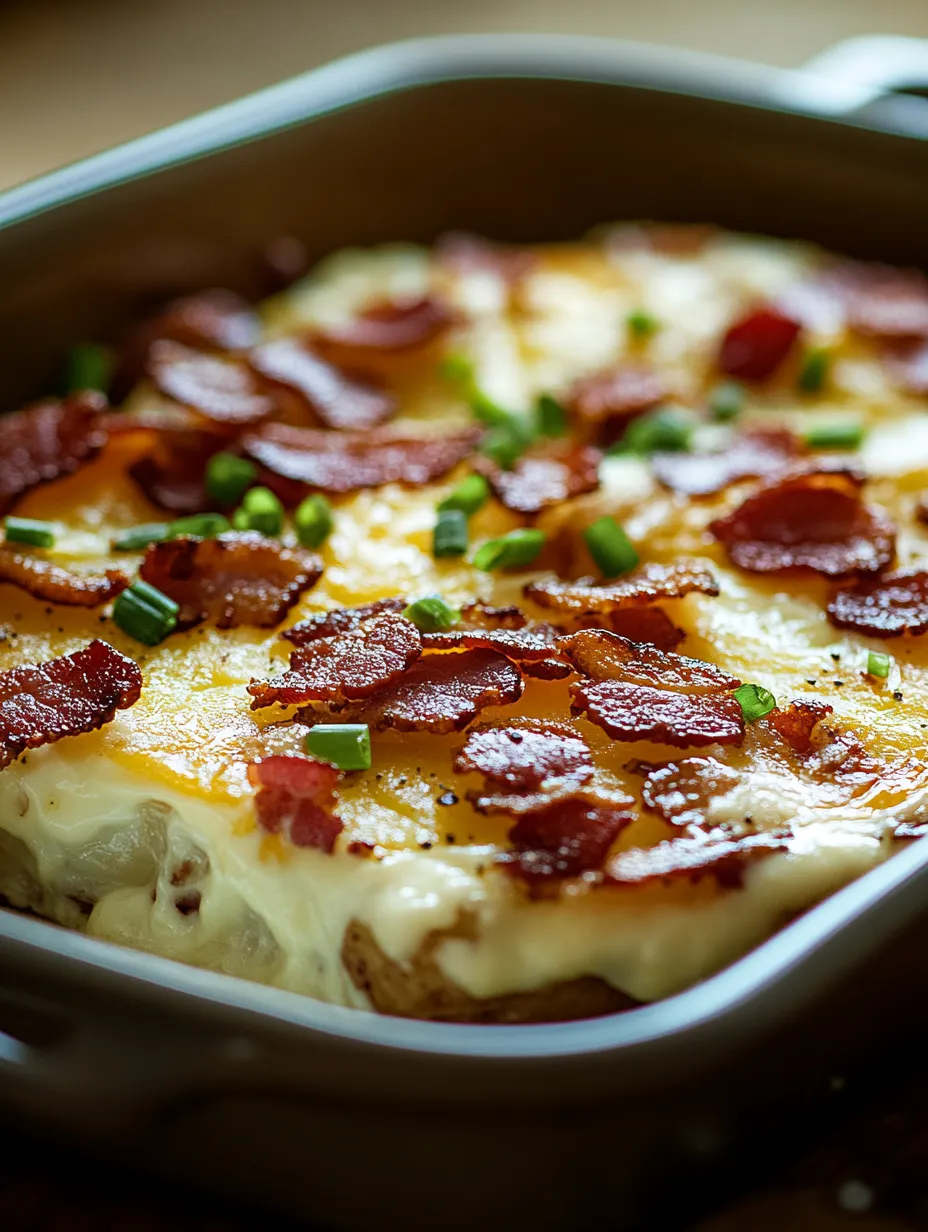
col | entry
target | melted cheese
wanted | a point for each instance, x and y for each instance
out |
(112, 831)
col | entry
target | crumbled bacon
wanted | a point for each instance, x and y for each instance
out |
(878, 300)
(340, 620)
(348, 461)
(444, 692)
(45, 580)
(601, 655)
(349, 665)
(646, 624)
(637, 712)
(79, 692)
(758, 453)
(525, 759)
(221, 388)
(682, 791)
(485, 616)
(603, 404)
(296, 796)
(756, 344)
(815, 520)
(234, 579)
(887, 606)
(465, 254)
(723, 856)
(544, 669)
(329, 396)
(647, 585)
(391, 327)
(48, 440)
(172, 474)
(796, 723)
(545, 478)
(533, 643)
(565, 837)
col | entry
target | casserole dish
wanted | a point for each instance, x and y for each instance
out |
(258, 1074)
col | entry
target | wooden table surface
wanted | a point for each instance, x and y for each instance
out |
(78, 77)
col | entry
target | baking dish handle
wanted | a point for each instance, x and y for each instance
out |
(878, 64)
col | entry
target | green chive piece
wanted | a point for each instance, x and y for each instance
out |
(228, 476)
(432, 614)
(488, 411)
(89, 366)
(551, 418)
(513, 551)
(199, 526)
(814, 369)
(469, 496)
(347, 746)
(505, 444)
(641, 324)
(313, 521)
(726, 401)
(457, 368)
(610, 547)
(666, 430)
(450, 535)
(145, 613)
(31, 531)
(260, 511)
(878, 664)
(137, 538)
(755, 701)
(847, 435)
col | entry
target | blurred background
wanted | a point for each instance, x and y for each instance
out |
(77, 76)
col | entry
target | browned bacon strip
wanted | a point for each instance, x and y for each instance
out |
(636, 712)
(296, 796)
(752, 455)
(48, 440)
(602, 655)
(340, 620)
(172, 474)
(77, 693)
(331, 397)
(564, 838)
(796, 723)
(221, 388)
(882, 301)
(540, 480)
(647, 624)
(234, 579)
(649, 584)
(388, 328)
(887, 606)
(725, 858)
(45, 580)
(682, 791)
(533, 644)
(521, 758)
(604, 403)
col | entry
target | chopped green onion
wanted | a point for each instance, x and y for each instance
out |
(488, 411)
(260, 511)
(313, 521)
(878, 664)
(31, 531)
(610, 547)
(666, 430)
(814, 369)
(506, 442)
(145, 613)
(450, 535)
(432, 614)
(550, 416)
(641, 324)
(457, 367)
(228, 476)
(347, 746)
(139, 537)
(470, 495)
(847, 435)
(513, 551)
(199, 526)
(89, 366)
(726, 401)
(755, 701)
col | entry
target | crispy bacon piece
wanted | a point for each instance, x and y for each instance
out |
(604, 403)
(543, 479)
(357, 663)
(296, 796)
(466, 254)
(750, 455)
(796, 723)
(172, 475)
(331, 397)
(444, 692)
(544, 669)
(565, 837)
(815, 520)
(48, 440)
(887, 606)
(525, 759)
(647, 585)
(79, 692)
(391, 327)
(682, 791)
(881, 301)
(725, 857)
(647, 624)
(340, 620)
(637, 712)
(221, 388)
(532, 644)
(45, 580)
(234, 579)
(757, 343)
(601, 655)
(349, 461)
(485, 616)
